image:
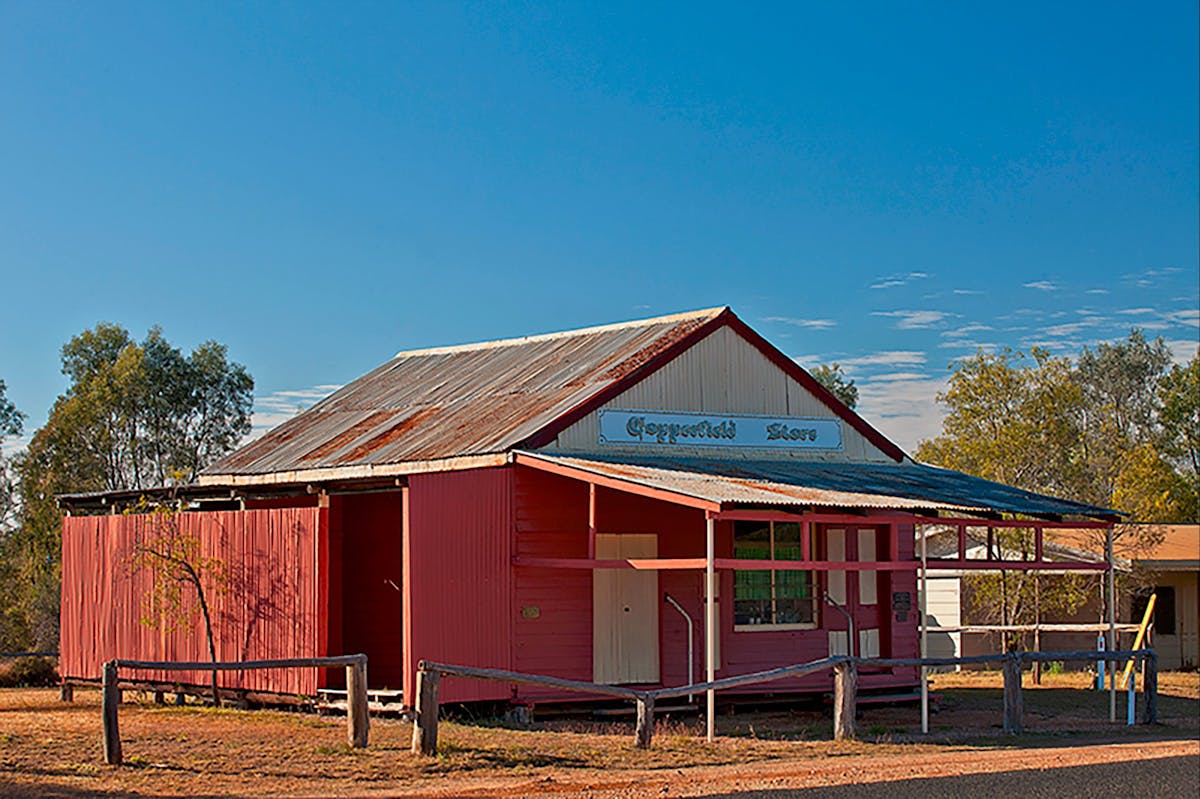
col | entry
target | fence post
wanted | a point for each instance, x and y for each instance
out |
(111, 698)
(358, 714)
(1013, 703)
(1150, 689)
(645, 720)
(66, 693)
(425, 725)
(845, 696)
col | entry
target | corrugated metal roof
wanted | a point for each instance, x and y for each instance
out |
(907, 486)
(458, 401)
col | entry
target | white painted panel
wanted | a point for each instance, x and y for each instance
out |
(868, 643)
(835, 547)
(839, 642)
(868, 582)
(944, 610)
(721, 373)
(625, 613)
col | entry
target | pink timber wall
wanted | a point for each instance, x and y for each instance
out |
(458, 577)
(270, 606)
(551, 522)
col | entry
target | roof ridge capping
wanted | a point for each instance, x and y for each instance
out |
(704, 313)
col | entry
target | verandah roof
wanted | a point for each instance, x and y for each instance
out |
(909, 487)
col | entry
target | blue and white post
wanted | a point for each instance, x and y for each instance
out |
(1100, 647)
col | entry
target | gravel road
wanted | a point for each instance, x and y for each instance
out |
(1162, 778)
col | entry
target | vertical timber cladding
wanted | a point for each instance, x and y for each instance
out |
(269, 606)
(458, 577)
(721, 373)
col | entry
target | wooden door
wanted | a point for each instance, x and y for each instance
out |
(625, 606)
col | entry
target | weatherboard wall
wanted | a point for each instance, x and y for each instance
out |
(267, 605)
(553, 611)
(720, 374)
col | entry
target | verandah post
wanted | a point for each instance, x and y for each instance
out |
(425, 725)
(110, 699)
(1150, 689)
(845, 698)
(358, 716)
(1013, 701)
(645, 720)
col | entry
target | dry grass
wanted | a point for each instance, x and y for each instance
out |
(50, 748)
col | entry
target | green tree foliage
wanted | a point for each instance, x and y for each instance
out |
(10, 418)
(135, 415)
(1115, 430)
(11, 424)
(833, 378)
(1011, 419)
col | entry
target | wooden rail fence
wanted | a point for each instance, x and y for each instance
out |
(845, 687)
(358, 720)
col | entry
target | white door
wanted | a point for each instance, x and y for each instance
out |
(625, 613)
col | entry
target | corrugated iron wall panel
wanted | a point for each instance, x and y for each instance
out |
(267, 608)
(458, 576)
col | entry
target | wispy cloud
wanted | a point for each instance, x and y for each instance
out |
(916, 320)
(1136, 311)
(904, 409)
(966, 330)
(1097, 291)
(968, 344)
(891, 281)
(271, 410)
(814, 324)
(1190, 317)
(966, 291)
(1042, 285)
(1147, 277)
(1182, 351)
(892, 358)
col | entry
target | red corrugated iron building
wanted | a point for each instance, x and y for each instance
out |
(543, 505)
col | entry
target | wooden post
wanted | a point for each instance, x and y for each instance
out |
(358, 715)
(425, 725)
(845, 696)
(1150, 690)
(66, 693)
(1013, 702)
(111, 698)
(645, 721)
(160, 698)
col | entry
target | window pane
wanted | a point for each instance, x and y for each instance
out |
(794, 611)
(752, 540)
(787, 541)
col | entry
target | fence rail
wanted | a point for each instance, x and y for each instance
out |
(845, 685)
(357, 714)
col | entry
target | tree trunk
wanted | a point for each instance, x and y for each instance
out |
(208, 632)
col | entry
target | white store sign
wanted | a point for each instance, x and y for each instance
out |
(668, 430)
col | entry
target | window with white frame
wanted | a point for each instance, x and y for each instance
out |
(771, 598)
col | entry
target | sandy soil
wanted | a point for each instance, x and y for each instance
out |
(52, 749)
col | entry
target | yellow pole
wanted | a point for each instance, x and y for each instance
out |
(1137, 642)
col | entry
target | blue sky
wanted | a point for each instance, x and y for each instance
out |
(321, 185)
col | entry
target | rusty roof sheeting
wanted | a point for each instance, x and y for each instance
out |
(909, 486)
(464, 400)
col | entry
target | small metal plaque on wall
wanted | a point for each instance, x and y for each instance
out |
(530, 612)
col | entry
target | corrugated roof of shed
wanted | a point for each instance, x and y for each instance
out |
(907, 486)
(464, 400)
